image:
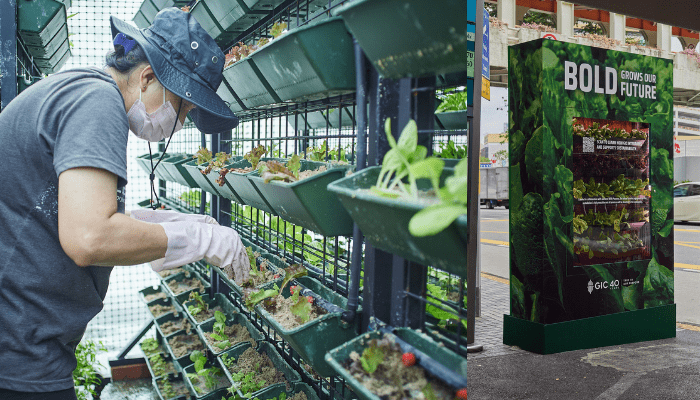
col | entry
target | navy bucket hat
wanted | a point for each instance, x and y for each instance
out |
(187, 62)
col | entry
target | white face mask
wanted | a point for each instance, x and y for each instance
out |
(153, 127)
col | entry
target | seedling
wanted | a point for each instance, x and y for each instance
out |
(254, 155)
(292, 272)
(203, 155)
(246, 382)
(372, 356)
(150, 346)
(301, 307)
(278, 28)
(218, 333)
(275, 171)
(199, 306)
(210, 375)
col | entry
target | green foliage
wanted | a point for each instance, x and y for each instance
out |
(605, 241)
(372, 356)
(616, 219)
(317, 153)
(85, 376)
(158, 364)
(218, 334)
(199, 306)
(292, 272)
(605, 133)
(445, 317)
(456, 101)
(450, 150)
(203, 155)
(301, 307)
(277, 29)
(254, 155)
(526, 227)
(210, 375)
(275, 171)
(150, 346)
(620, 187)
(247, 383)
(193, 198)
(539, 18)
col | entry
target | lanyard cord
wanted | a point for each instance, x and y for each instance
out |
(152, 176)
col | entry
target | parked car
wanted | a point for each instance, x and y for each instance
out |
(686, 202)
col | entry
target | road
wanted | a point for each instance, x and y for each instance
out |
(495, 261)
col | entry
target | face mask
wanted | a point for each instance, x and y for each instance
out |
(153, 127)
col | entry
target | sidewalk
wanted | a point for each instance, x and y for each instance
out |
(663, 369)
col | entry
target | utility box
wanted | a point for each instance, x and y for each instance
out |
(591, 196)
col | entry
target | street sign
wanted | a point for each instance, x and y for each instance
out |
(549, 35)
(470, 64)
(485, 88)
(485, 64)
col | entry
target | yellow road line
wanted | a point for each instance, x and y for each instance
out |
(507, 232)
(494, 278)
(494, 220)
(499, 242)
(687, 230)
(686, 245)
(688, 327)
(687, 266)
(687, 242)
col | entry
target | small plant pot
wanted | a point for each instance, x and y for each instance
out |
(161, 347)
(433, 35)
(183, 359)
(219, 300)
(305, 338)
(231, 320)
(151, 291)
(263, 347)
(249, 84)
(174, 380)
(224, 20)
(163, 319)
(454, 120)
(448, 359)
(196, 174)
(222, 382)
(384, 222)
(181, 283)
(307, 202)
(274, 264)
(311, 62)
(276, 391)
(167, 358)
(225, 190)
(173, 166)
(245, 189)
(167, 302)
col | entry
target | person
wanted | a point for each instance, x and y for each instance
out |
(63, 158)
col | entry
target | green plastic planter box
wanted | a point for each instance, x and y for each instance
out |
(166, 357)
(318, 119)
(179, 277)
(39, 21)
(454, 119)
(307, 202)
(184, 361)
(245, 189)
(224, 20)
(56, 61)
(140, 20)
(173, 166)
(167, 318)
(305, 338)
(144, 161)
(384, 222)
(226, 190)
(275, 263)
(249, 83)
(50, 48)
(236, 319)
(338, 356)
(276, 391)
(311, 62)
(263, 347)
(411, 38)
(168, 301)
(218, 300)
(223, 381)
(172, 378)
(195, 173)
(151, 290)
(227, 94)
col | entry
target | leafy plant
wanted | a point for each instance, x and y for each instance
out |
(595, 130)
(159, 365)
(275, 171)
(254, 155)
(446, 318)
(199, 306)
(246, 383)
(317, 153)
(620, 187)
(210, 375)
(168, 390)
(450, 150)
(150, 346)
(203, 155)
(605, 243)
(372, 357)
(301, 306)
(278, 29)
(218, 331)
(85, 375)
(453, 102)
(292, 272)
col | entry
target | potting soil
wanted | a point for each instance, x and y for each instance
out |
(207, 314)
(186, 284)
(235, 333)
(158, 309)
(155, 296)
(261, 366)
(310, 173)
(392, 380)
(177, 388)
(424, 197)
(282, 313)
(185, 344)
(166, 273)
(175, 325)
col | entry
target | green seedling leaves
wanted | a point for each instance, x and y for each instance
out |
(256, 297)
(301, 307)
(254, 155)
(430, 168)
(203, 155)
(371, 357)
(294, 165)
(434, 219)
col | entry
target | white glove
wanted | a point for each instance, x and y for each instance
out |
(218, 245)
(157, 216)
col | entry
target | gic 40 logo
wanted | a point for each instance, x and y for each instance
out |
(614, 284)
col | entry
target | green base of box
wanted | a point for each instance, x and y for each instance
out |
(587, 333)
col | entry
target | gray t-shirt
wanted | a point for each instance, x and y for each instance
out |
(70, 119)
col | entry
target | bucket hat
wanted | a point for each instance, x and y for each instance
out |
(186, 61)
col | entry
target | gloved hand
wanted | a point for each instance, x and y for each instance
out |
(218, 245)
(156, 216)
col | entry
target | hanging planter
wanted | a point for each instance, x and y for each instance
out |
(384, 222)
(307, 202)
(219, 302)
(329, 326)
(454, 119)
(42, 24)
(224, 190)
(173, 165)
(145, 15)
(311, 62)
(323, 119)
(144, 161)
(250, 85)
(427, 37)
(274, 265)
(447, 370)
(263, 348)
(225, 20)
(196, 174)
(243, 332)
(245, 189)
(228, 95)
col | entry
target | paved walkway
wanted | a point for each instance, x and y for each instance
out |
(663, 369)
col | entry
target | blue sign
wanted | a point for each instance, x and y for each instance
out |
(485, 70)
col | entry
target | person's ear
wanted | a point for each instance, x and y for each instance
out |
(147, 77)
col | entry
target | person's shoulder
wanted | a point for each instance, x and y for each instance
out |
(89, 80)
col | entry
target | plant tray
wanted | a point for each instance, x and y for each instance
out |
(384, 222)
(166, 357)
(433, 35)
(276, 391)
(318, 120)
(224, 20)
(235, 319)
(184, 360)
(274, 263)
(168, 318)
(223, 382)
(454, 119)
(250, 85)
(307, 202)
(245, 189)
(226, 190)
(311, 62)
(172, 378)
(195, 173)
(218, 300)
(173, 166)
(39, 21)
(304, 338)
(263, 347)
(179, 277)
(150, 291)
(340, 355)
(164, 302)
